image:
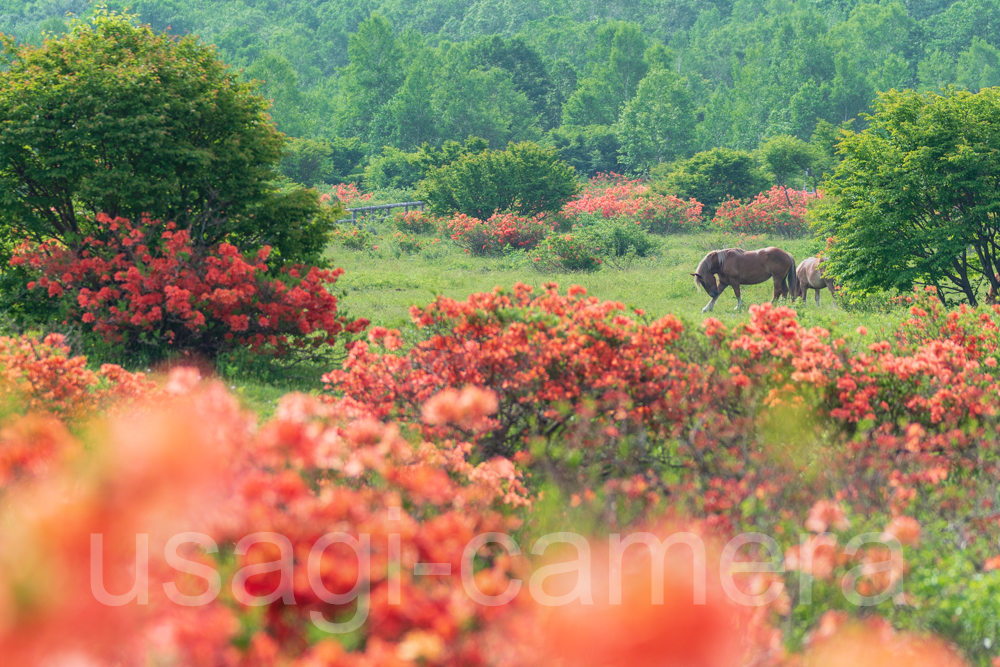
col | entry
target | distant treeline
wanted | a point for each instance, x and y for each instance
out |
(615, 85)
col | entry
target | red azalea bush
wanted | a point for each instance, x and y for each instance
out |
(769, 427)
(43, 376)
(347, 194)
(146, 287)
(491, 236)
(613, 195)
(415, 222)
(194, 462)
(778, 211)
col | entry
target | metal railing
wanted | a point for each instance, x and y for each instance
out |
(405, 205)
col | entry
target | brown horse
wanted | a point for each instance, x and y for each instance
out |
(738, 267)
(811, 275)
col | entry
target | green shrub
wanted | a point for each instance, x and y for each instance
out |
(619, 237)
(525, 178)
(398, 169)
(710, 177)
(355, 238)
(566, 252)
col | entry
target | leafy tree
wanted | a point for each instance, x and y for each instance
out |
(481, 103)
(119, 119)
(397, 169)
(917, 195)
(658, 124)
(525, 178)
(526, 68)
(788, 157)
(711, 177)
(592, 103)
(315, 161)
(374, 75)
(979, 67)
(936, 71)
(414, 120)
(589, 150)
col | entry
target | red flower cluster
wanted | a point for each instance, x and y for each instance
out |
(347, 193)
(43, 375)
(777, 211)
(613, 195)
(192, 464)
(565, 367)
(146, 286)
(490, 237)
(768, 427)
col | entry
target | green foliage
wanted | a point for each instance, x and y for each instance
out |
(711, 177)
(116, 118)
(917, 195)
(620, 237)
(979, 67)
(525, 178)
(614, 242)
(789, 158)
(658, 124)
(571, 252)
(316, 161)
(397, 169)
(590, 150)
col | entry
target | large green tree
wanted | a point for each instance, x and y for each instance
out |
(918, 195)
(658, 124)
(116, 118)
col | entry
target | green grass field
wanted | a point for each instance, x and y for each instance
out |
(382, 284)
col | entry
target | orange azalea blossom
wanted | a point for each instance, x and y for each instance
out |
(613, 195)
(905, 529)
(191, 299)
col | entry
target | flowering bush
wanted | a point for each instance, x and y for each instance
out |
(512, 411)
(146, 288)
(777, 211)
(613, 195)
(43, 375)
(500, 230)
(415, 222)
(355, 238)
(347, 194)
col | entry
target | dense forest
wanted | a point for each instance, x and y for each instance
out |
(615, 85)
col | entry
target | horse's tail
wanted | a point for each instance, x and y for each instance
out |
(793, 279)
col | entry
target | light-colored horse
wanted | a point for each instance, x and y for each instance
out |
(738, 267)
(812, 275)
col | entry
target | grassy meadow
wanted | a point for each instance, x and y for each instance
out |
(382, 283)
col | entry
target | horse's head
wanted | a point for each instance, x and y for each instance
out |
(704, 275)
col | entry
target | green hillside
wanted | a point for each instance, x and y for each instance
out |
(587, 77)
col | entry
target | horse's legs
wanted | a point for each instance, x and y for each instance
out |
(779, 289)
(817, 295)
(739, 296)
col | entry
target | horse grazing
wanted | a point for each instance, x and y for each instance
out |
(811, 275)
(738, 267)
